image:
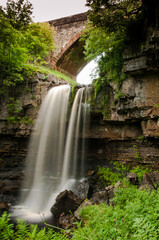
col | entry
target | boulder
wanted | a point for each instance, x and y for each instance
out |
(84, 204)
(65, 221)
(99, 197)
(150, 180)
(66, 202)
(132, 178)
(103, 196)
(154, 177)
(83, 190)
(146, 183)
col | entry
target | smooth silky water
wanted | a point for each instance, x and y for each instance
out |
(51, 163)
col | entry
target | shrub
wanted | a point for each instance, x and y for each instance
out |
(134, 216)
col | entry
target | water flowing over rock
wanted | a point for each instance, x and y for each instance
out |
(52, 163)
(83, 189)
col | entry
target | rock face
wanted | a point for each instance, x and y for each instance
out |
(66, 202)
(127, 128)
(14, 138)
(83, 190)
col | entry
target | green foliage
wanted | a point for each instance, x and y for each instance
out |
(19, 13)
(140, 171)
(137, 153)
(21, 42)
(108, 176)
(25, 231)
(38, 41)
(142, 139)
(14, 111)
(121, 167)
(97, 87)
(58, 74)
(134, 215)
(12, 52)
(26, 120)
(6, 228)
(118, 95)
(108, 50)
(118, 172)
(112, 25)
(13, 107)
(114, 15)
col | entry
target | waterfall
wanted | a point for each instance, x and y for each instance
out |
(52, 164)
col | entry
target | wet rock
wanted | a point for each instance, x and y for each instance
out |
(103, 196)
(65, 221)
(83, 190)
(66, 202)
(132, 178)
(4, 206)
(99, 197)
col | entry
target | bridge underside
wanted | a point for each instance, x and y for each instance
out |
(73, 60)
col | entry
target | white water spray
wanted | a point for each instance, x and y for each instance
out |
(52, 163)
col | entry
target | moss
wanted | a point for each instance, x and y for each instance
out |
(46, 70)
(106, 107)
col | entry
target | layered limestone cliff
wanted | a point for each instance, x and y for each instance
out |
(128, 127)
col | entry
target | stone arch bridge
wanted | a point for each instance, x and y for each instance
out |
(68, 56)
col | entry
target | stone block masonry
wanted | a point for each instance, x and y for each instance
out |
(68, 31)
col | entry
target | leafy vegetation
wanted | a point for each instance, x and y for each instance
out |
(46, 70)
(108, 50)
(25, 231)
(18, 13)
(14, 111)
(108, 176)
(115, 15)
(133, 215)
(113, 25)
(21, 42)
(24, 46)
(118, 172)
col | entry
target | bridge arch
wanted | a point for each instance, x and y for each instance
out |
(68, 56)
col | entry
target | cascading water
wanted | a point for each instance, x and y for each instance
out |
(52, 164)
